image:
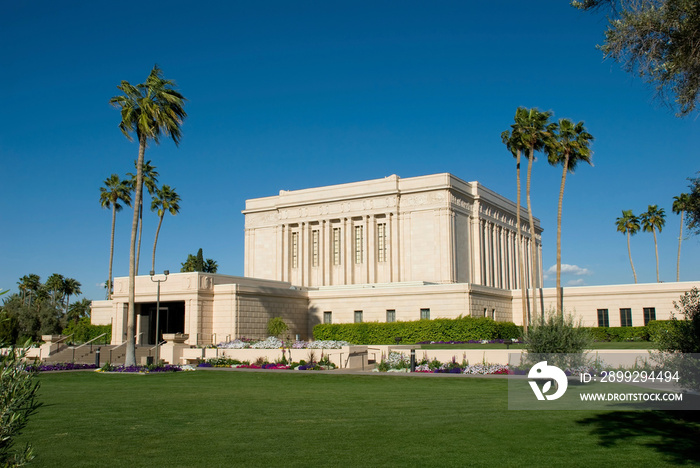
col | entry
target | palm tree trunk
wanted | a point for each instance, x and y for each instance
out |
(130, 359)
(533, 242)
(111, 251)
(153, 259)
(629, 251)
(523, 292)
(678, 262)
(138, 248)
(560, 293)
(656, 250)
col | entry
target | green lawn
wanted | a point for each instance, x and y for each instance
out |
(286, 418)
(596, 345)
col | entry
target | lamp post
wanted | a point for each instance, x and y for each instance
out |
(166, 273)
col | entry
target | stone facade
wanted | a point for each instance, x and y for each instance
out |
(380, 250)
(434, 228)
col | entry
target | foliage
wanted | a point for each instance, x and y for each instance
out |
(18, 401)
(658, 41)
(276, 326)
(83, 331)
(197, 263)
(459, 329)
(79, 309)
(684, 335)
(556, 334)
(693, 210)
(628, 224)
(680, 345)
(657, 328)
(41, 317)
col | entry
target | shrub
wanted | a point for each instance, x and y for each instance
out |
(18, 401)
(459, 329)
(556, 334)
(83, 331)
(276, 326)
(657, 328)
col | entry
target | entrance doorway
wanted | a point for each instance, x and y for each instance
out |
(171, 320)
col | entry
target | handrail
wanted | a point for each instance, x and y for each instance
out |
(90, 342)
(58, 343)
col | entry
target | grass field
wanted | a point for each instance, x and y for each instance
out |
(596, 345)
(287, 419)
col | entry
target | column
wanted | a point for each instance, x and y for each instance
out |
(393, 247)
(371, 222)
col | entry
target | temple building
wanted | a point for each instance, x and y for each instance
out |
(388, 249)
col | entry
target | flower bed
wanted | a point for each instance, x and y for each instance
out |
(63, 366)
(272, 342)
(499, 341)
(323, 364)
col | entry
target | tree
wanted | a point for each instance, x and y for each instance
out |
(55, 285)
(199, 265)
(653, 220)
(681, 204)
(534, 132)
(515, 146)
(571, 146)
(680, 344)
(193, 264)
(150, 180)
(111, 194)
(693, 211)
(164, 200)
(79, 309)
(149, 110)
(71, 287)
(29, 285)
(658, 40)
(628, 224)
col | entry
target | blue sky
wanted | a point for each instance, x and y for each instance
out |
(290, 95)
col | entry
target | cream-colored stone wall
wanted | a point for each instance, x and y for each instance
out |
(438, 228)
(584, 301)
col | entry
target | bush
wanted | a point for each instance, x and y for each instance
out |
(18, 401)
(657, 328)
(459, 329)
(83, 331)
(556, 334)
(276, 326)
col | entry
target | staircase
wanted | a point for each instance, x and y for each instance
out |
(108, 353)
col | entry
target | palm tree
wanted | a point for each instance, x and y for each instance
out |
(55, 284)
(71, 287)
(570, 147)
(628, 224)
(78, 310)
(111, 194)
(653, 220)
(164, 200)
(29, 285)
(150, 180)
(515, 146)
(150, 109)
(681, 204)
(534, 132)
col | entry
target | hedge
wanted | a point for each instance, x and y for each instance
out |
(84, 331)
(460, 329)
(466, 329)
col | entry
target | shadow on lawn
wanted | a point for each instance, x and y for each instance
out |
(672, 433)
